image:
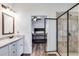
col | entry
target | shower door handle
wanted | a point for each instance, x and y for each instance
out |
(69, 34)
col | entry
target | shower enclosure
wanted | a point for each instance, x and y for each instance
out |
(68, 42)
(62, 35)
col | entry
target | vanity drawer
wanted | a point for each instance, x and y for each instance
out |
(4, 51)
(13, 49)
(19, 47)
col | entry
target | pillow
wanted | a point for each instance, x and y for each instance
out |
(40, 32)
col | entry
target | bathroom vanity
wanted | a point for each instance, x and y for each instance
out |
(12, 46)
(11, 42)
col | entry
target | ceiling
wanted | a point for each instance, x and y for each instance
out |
(43, 6)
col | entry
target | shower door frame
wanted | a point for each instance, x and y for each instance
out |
(68, 34)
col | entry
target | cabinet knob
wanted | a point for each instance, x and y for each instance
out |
(13, 44)
(13, 51)
(21, 44)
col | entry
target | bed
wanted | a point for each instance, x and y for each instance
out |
(39, 35)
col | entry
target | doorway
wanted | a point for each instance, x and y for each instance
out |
(40, 47)
(39, 37)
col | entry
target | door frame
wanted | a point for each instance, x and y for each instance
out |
(31, 25)
(56, 31)
(67, 34)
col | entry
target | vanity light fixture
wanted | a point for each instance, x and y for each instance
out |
(8, 8)
(4, 6)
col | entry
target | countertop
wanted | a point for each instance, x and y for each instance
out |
(6, 41)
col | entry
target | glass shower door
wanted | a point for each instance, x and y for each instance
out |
(62, 35)
(68, 32)
(73, 37)
(73, 30)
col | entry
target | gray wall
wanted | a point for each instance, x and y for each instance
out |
(38, 23)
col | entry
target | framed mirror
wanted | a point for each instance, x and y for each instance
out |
(7, 24)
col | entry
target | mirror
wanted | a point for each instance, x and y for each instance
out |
(7, 24)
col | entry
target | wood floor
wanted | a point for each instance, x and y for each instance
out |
(38, 49)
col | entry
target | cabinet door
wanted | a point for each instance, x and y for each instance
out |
(4, 51)
(19, 47)
(12, 49)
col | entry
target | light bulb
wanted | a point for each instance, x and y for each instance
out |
(34, 19)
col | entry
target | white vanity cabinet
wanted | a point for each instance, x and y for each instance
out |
(13, 49)
(4, 51)
(19, 47)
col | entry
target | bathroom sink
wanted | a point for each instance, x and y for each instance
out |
(14, 37)
(11, 37)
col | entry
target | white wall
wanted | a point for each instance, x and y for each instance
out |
(0, 22)
(51, 35)
(23, 26)
(24, 13)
